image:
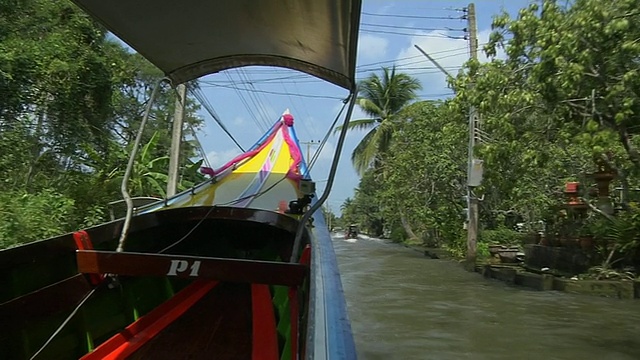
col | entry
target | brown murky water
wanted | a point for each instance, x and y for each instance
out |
(405, 306)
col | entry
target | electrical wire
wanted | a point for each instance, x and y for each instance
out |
(409, 34)
(409, 27)
(412, 16)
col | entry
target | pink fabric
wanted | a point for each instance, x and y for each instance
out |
(288, 119)
(293, 174)
(208, 171)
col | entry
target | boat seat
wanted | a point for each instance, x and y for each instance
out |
(221, 269)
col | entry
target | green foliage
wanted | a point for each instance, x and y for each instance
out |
(28, 217)
(501, 235)
(563, 99)
(398, 234)
(364, 209)
(72, 100)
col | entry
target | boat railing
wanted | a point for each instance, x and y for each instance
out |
(194, 267)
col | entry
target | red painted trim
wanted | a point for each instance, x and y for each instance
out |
(83, 242)
(305, 258)
(147, 327)
(265, 337)
(293, 305)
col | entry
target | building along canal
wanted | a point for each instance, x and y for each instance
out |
(403, 305)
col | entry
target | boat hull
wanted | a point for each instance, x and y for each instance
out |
(242, 253)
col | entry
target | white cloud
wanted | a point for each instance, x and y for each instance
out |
(239, 121)
(372, 47)
(219, 158)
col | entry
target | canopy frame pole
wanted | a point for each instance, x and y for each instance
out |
(132, 158)
(332, 173)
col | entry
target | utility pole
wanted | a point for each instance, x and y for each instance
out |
(472, 201)
(176, 139)
(309, 143)
(473, 175)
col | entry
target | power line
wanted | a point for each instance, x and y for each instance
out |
(276, 92)
(413, 16)
(409, 27)
(410, 34)
(300, 95)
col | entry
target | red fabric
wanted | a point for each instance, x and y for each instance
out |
(293, 305)
(305, 258)
(265, 337)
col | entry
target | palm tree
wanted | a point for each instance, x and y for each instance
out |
(382, 98)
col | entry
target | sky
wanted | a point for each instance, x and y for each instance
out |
(250, 99)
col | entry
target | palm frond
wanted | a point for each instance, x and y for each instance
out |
(365, 152)
(360, 124)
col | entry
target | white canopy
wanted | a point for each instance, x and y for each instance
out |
(192, 38)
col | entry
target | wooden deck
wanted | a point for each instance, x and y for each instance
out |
(218, 326)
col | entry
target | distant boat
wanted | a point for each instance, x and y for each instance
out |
(351, 232)
(238, 267)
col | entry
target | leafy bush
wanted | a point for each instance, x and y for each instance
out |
(501, 235)
(29, 217)
(398, 235)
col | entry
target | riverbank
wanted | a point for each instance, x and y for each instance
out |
(517, 275)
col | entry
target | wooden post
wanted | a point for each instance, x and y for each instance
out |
(472, 205)
(176, 139)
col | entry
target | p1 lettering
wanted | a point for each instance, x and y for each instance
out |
(180, 266)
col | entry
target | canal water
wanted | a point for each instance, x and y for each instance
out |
(403, 305)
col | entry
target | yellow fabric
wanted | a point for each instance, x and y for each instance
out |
(273, 188)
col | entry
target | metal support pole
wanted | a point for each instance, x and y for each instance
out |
(127, 173)
(332, 174)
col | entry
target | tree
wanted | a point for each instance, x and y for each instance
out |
(72, 100)
(426, 171)
(381, 98)
(579, 63)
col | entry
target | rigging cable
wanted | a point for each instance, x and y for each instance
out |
(316, 155)
(212, 207)
(244, 102)
(199, 147)
(255, 99)
(66, 320)
(198, 94)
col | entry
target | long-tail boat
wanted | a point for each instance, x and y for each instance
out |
(240, 266)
